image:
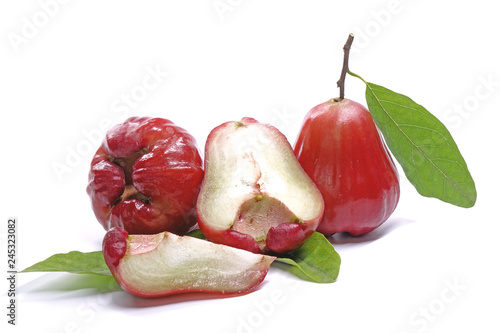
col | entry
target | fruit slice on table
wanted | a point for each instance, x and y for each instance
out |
(255, 195)
(341, 149)
(145, 177)
(164, 264)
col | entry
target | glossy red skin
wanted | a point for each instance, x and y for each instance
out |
(341, 149)
(280, 239)
(229, 237)
(114, 248)
(168, 174)
(283, 238)
(288, 236)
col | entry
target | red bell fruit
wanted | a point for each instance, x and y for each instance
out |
(165, 264)
(341, 149)
(145, 177)
(255, 195)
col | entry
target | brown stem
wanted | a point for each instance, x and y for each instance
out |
(345, 66)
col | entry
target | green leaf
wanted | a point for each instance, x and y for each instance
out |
(423, 146)
(316, 260)
(196, 233)
(72, 262)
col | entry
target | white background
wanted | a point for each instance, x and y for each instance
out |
(66, 69)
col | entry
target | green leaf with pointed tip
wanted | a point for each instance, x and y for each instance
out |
(316, 260)
(72, 262)
(423, 146)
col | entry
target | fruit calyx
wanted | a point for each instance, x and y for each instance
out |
(131, 193)
(127, 165)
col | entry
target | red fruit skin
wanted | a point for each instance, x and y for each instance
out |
(341, 149)
(280, 239)
(164, 180)
(114, 247)
(288, 236)
(230, 238)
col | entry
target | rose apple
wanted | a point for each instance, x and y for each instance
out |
(165, 264)
(255, 195)
(145, 177)
(341, 149)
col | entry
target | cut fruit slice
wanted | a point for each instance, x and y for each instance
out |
(164, 264)
(253, 184)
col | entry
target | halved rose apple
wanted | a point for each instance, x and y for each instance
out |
(255, 195)
(164, 264)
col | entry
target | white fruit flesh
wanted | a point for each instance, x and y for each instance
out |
(166, 263)
(248, 163)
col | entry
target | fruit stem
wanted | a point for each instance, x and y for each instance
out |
(345, 66)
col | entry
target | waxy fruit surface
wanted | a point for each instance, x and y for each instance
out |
(145, 177)
(341, 149)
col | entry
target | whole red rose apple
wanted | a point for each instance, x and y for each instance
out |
(341, 149)
(145, 177)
